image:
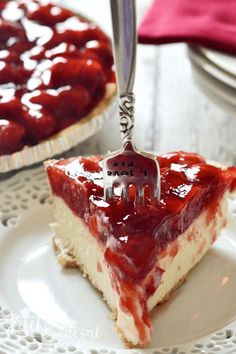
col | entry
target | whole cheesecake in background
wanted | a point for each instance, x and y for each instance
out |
(137, 254)
(55, 68)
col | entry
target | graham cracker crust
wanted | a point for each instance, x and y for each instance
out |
(64, 256)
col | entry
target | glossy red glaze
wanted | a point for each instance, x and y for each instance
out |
(128, 298)
(10, 130)
(54, 67)
(134, 235)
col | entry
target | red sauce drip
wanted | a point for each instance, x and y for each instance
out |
(174, 249)
(129, 295)
(49, 57)
(153, 281)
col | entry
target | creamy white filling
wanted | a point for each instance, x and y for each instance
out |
(74, 236)
(190, 251)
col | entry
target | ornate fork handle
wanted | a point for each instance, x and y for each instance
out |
(126, 111)
(124, 46)
(128, 166)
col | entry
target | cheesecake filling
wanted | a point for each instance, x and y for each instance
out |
(140, 243)
(132, 304)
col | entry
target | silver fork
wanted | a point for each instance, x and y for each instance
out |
(128, 166)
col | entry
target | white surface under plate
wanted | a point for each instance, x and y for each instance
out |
(224, 61)
(46, 309)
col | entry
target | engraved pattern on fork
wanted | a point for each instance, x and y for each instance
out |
(130, 167)
(126, 111)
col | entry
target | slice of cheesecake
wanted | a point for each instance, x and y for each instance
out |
(137, 254)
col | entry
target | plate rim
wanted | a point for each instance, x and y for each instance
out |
(212, 55)
(214, 87)
(210, 68)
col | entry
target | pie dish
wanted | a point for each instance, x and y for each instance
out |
(136, 255)
(55, 72)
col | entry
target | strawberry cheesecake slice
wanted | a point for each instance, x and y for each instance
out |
(137, 254)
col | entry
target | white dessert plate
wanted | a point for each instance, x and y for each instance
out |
(224, 61)
(221, 94)
(46, 309)
(215, 71)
